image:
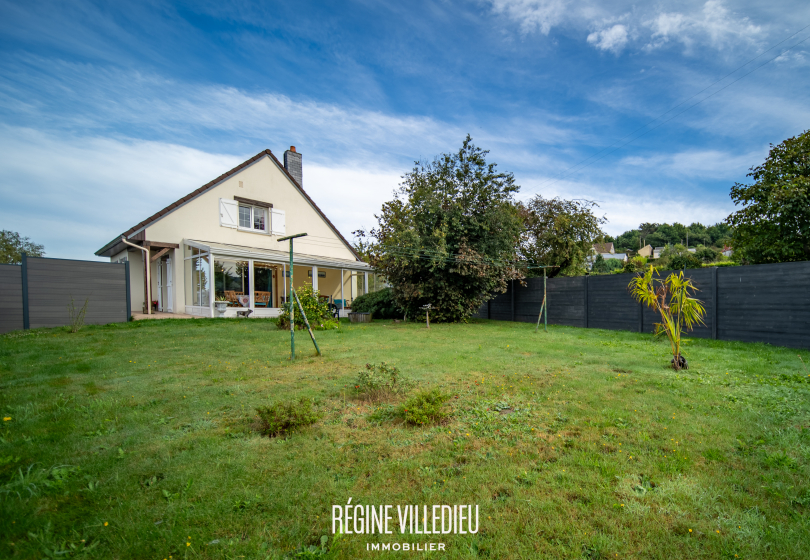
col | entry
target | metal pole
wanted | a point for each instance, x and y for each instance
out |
(545, 301)
(24, 278)
(306, 322)
(292, 307)
(291, 300)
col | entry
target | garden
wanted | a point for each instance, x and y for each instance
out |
(201, 439)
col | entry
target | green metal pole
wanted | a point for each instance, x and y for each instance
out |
(290, 301)
(292, 307)
(545, 301)
(306, 322)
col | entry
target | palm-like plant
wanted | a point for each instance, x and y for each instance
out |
(672, 299)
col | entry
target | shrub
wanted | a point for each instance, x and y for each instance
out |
(76, 315)
(681, 261)
(285, 417)
(707, 254)
(636, 264)
(317, 311)
(379, 382)
(424, 408)
(380, 303)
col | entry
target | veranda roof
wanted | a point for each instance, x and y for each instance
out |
(281, 256)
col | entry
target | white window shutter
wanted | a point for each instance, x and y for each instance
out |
(278, 223)
(228, 212)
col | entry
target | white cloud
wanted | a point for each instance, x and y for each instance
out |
(611, 39)
(533, 15)
(74, 194)
(713, 25)
(703, 164)
(626, 208)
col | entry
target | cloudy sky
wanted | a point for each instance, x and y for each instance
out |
(111, 110)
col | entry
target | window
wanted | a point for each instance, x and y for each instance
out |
(253, 218)
(231, 279)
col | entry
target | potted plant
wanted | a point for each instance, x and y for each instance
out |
(221, 304)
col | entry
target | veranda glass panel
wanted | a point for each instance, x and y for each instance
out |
(265, 276)
(232, 279)
(203, 284)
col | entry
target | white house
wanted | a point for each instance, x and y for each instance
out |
(221, 242)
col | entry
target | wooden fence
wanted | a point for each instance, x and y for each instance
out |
(761, 303)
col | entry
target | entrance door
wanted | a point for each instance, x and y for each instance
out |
(160, 285)
(169, 295)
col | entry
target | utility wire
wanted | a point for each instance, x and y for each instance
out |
(584, 163)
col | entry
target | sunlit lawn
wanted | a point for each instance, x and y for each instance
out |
(135, 441)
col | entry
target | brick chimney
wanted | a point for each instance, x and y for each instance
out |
(292, 163)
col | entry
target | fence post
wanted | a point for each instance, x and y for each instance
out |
(586, 301)
(24, 270)
(640, 317)
(714, 302)
(489, 307)
(513, 300)
(129, 300)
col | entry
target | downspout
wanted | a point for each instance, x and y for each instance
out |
(148, 280)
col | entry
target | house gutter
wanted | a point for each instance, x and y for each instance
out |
(146, 264)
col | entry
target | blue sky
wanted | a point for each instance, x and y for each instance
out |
(111, 110)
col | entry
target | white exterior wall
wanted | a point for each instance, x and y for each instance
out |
(199, 219)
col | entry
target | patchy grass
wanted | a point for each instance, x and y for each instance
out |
(136, 441)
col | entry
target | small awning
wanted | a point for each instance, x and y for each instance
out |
(280, 257)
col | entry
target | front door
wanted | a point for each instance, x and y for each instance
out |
(169, 296)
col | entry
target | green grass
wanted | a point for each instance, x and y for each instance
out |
(130, 441)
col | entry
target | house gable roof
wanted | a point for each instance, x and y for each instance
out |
(107, 249)
(603, 247)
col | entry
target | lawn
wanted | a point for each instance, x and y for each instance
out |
(137, 441)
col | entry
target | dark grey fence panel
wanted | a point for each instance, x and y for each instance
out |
(761, 303)
(53, 282)
(566, 301)
(501, 305)
(11, 308)
(528, 300)
(702, 279)
(610, 305)
(765, 303)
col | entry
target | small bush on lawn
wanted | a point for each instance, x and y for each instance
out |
(424, 408)
(317, 311)
(381, 304)
(380, 382)
(285, 417)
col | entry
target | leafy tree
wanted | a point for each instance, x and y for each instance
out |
(678, 257)
(773, 224)
(719, 234)
(12, 244)
(601, 265)
(707, 254)
(560, 233)
(450, 237)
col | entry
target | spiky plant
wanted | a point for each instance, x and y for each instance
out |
(672, 299)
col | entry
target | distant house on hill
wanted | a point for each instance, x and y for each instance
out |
(646, 251)
(220, 243)
(603, 248)
(607, 251)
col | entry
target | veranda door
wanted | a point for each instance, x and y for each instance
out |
(169, 295)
